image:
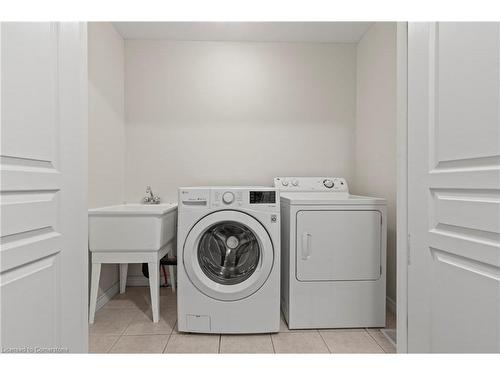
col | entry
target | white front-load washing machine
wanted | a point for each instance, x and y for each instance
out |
(333, 254)
(228, 259)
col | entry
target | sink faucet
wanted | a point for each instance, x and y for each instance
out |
(150, 198)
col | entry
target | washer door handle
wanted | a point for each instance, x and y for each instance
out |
(306, 246)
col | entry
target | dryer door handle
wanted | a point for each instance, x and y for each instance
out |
(306, 246)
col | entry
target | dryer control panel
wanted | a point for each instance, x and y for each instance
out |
(334, 184)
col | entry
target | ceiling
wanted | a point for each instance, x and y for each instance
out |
(316, 32)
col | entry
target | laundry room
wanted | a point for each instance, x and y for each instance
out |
(198, 186)
(265, 109)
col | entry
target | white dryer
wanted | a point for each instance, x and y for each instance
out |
(333, 254)
(229, 256)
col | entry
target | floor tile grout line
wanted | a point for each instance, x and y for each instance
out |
(165, 348)
(112, 346)
(173, 327)
(376, 341)
(146, 334)
(131, 320)
(272, 342)
(327, 346)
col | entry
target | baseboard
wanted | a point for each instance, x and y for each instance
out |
(140, 280)
(108, 294)
(137, 280)
(391, 304)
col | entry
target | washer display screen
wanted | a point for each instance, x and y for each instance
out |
(228, 252)
(257, 197)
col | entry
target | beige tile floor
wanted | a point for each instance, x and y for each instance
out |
(124, 325)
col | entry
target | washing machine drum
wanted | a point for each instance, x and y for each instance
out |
(228, 252)
(228, 255)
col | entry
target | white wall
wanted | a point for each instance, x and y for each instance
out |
(219, 113)
(376, 128)
(210, 113)
(106, 124)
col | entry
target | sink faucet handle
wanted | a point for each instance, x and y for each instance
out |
(150, 197)
(150, 192)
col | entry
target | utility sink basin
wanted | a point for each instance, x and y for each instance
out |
(132, 227)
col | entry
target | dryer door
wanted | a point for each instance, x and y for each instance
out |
(338, 245)
(228, 255)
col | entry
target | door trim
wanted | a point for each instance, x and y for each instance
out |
(402, 239)
(73, 119)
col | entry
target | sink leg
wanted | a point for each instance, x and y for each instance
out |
(94, 286)
(154, 281)
(123, 277)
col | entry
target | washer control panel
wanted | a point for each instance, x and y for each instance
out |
(234, 197)
(335, 184)
(263, 197)
(227, 198)
(258, 198)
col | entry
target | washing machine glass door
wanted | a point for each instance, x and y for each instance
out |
(228, 255)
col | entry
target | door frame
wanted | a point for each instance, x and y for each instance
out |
(73, 139)
(402, 235)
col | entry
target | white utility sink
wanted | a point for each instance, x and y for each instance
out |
(131, 233)
(132, 227)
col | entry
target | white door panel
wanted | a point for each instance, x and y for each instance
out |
(454, 187)
(43, 187)
(29, 91)
(465, 310)
(466, 91)
(338, 245)
(32, 316)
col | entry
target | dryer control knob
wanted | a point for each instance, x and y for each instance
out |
(328, 183)
(295, 182)
(228, 197)
(284, 182)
